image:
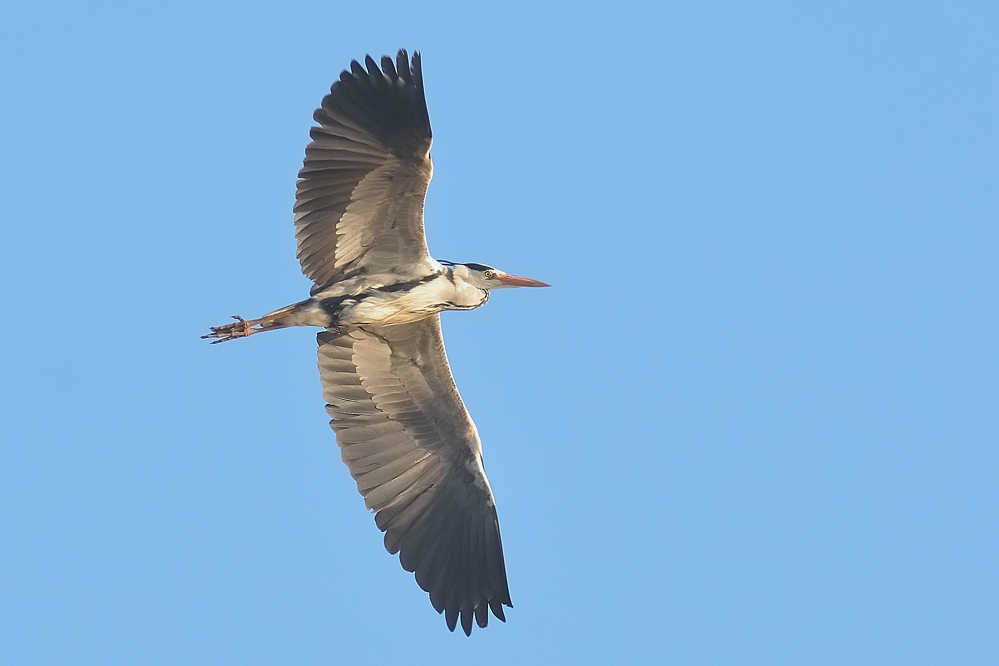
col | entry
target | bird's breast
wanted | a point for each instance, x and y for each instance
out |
(402, 303)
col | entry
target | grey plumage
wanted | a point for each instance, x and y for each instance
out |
(359, 205)
(416, 457)
(402, 428)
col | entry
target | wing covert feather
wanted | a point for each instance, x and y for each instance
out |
(415, 455)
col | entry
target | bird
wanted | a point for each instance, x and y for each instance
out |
(400, 423)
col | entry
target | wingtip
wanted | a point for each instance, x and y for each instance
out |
(451, 617)
(466, 621)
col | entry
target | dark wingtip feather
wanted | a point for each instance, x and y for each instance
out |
(389, 102)
(402, 66)
(482, 615)
(466, 621)
(496, 606)
(451, 617)
(389, 68)
(418, 68)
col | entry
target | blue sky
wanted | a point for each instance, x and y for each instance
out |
(753, 422)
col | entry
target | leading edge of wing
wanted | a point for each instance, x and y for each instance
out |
(413, 451)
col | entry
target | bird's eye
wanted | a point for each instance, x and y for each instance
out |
(488, 275)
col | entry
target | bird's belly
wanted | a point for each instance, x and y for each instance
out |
(400, 303)
(389, 309)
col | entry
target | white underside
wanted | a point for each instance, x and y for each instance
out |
(379, 308)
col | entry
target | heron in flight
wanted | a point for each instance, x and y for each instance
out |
(401, 426)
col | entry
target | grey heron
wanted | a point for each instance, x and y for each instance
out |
(402, 428)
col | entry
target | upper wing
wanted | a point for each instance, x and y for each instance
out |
(359, 205)
(415, 454)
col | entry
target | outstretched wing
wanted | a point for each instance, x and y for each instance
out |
(359, 205)
(415, 454)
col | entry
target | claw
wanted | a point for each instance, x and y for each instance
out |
(226, 332)
(242, 328)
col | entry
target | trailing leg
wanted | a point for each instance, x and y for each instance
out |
(240, 328)
(304, 313)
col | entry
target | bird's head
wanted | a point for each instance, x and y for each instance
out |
(487, 277)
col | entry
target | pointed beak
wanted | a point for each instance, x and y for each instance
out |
(517, 281)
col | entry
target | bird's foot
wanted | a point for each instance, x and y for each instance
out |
(238, 329)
